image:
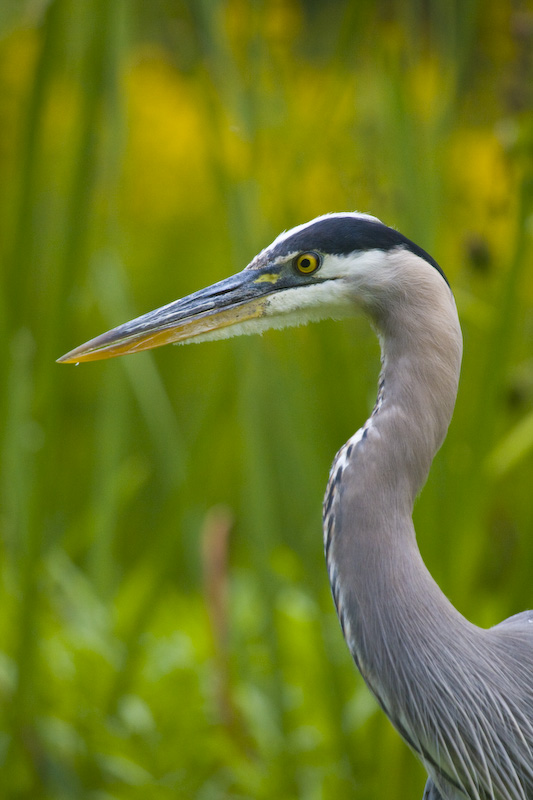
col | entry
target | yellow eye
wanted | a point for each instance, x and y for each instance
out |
(307, 262)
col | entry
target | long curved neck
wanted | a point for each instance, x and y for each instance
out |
(454, 692)
(376, 571)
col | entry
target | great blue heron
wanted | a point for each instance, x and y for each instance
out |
(460, 696)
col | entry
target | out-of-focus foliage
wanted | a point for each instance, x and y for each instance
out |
(166, 629)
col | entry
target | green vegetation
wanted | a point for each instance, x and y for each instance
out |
(166, 628)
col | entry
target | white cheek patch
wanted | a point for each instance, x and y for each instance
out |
(288, 308)
(303, 304)
(354, 266)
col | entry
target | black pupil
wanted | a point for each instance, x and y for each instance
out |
(305, 263)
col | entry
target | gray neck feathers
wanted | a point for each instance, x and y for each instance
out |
(370, 541)
(444, 683)
(386, 599)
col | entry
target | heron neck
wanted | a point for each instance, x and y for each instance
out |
(376, 570)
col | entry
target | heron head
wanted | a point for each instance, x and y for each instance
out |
(320, 269)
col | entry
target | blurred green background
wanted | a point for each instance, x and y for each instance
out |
(166, 626)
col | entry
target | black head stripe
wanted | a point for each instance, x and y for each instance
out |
(345, 234)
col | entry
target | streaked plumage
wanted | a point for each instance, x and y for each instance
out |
(461, 696)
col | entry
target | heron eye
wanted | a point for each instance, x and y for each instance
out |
(307, 262)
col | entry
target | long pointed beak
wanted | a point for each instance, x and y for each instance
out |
(231, 301)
